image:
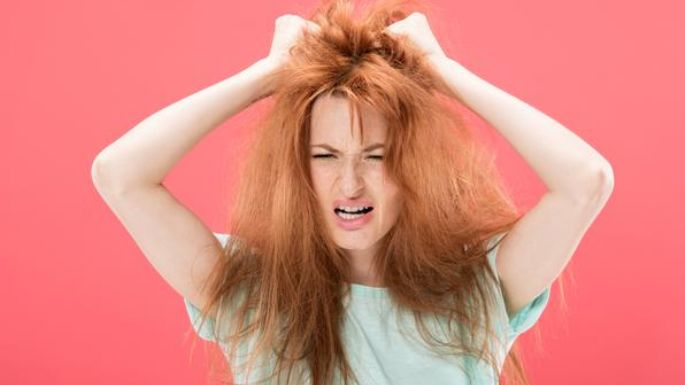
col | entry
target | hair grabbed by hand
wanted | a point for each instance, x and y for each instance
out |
(334, 47)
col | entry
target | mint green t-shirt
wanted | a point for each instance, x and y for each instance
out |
(381, 355)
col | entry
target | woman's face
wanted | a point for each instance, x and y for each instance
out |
(349, 175)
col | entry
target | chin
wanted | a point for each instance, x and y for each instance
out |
(352, 245)
(351, 242)
(353, 248)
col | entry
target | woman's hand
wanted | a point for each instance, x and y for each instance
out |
(288, 29)
(416, 30)
(415, 27)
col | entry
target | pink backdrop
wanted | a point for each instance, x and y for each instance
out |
(83, 306)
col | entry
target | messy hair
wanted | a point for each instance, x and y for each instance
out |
(282, 281)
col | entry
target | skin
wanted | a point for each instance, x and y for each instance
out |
(129, 174)
(352, 174)
(579, 180)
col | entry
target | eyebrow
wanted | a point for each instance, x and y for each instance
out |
(331, 149)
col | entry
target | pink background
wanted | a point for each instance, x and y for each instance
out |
(83, 306)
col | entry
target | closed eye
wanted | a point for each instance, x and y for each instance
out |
(375, 157)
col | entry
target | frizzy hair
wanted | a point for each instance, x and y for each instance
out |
(282, 282)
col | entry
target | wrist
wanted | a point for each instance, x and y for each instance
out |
(441, 65)
(264, 69)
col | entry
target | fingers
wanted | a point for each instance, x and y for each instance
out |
(312, 26)
(402, 27)
(290, 19)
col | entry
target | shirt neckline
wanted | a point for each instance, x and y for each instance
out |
(359, 290)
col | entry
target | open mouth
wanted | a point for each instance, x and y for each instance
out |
(350, 214)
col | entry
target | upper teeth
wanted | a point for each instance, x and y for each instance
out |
(349, 208)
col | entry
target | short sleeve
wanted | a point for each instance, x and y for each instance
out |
(525, 318)
(205, 330)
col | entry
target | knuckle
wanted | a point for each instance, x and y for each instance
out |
(418, 16)
(282, 19)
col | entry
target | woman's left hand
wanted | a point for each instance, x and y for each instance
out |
(415, 27)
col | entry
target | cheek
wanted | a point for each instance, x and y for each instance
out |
(322, 178)
(322, 182)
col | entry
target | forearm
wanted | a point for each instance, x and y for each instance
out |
(563, 161)
(145, 154)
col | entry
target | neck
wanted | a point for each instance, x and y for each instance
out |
(363, 272)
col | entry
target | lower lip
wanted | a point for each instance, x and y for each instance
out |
(353, 224)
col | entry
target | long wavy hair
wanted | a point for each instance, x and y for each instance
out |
(281, 282)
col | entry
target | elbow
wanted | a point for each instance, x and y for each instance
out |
(98, 174)
(110, 179)
(102, 177)
(590, 186)
(599, 183)
(96, 169)
(607, 179)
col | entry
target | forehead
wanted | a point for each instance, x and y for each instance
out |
(331, 122)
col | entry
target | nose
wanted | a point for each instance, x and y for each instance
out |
(351, 176)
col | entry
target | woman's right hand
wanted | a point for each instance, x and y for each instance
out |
(287, 31)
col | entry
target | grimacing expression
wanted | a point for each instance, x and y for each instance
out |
(344, 168)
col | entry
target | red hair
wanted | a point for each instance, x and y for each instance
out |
(282, 274)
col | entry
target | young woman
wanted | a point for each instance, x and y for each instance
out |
(371, 239)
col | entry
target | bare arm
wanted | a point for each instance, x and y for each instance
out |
(144, 155)
(566, 164)
(579, 179)
(128, 174)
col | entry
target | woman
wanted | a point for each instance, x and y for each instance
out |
(371, 239)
